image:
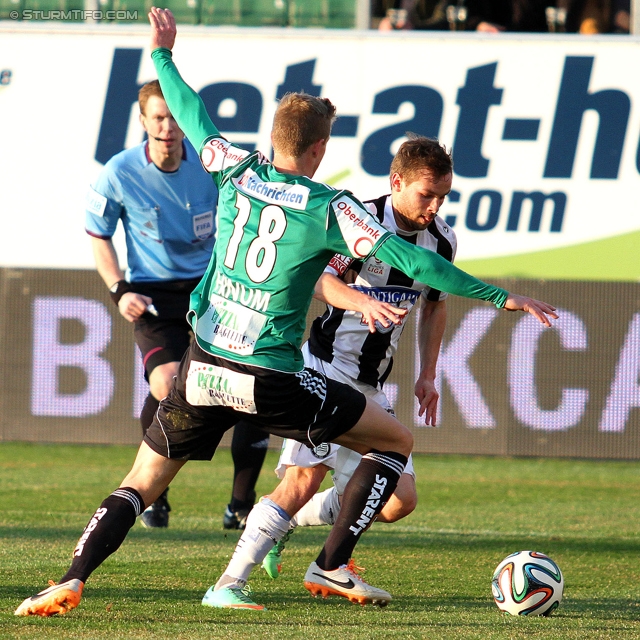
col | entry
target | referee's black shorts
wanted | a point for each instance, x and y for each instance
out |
(166, 337)
(161, 340)
(212, 394)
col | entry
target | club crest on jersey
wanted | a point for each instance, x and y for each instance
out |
(322, 450)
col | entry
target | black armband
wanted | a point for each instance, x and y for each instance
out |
(119, 289)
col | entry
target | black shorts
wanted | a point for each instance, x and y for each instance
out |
(161, 341)
(164, 338)
(211, 394)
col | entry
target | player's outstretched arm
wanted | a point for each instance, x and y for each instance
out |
(434, 270)
(185, 104)
(331, 290)
(542, 311)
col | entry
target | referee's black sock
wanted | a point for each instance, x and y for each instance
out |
(105, 532)
(371, 485)
(149, 409)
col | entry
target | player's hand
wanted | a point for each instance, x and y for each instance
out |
(133, 305)
(163, 28)
(542, 311)
(428, 397)
(385, 314)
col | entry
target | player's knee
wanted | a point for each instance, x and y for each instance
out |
(398, 508)
(158, 391)
(404, 441)
(398, 439)
(407, 506)
(297, 487)
(161, 380)
(403, 501)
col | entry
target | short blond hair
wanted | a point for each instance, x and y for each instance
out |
(300, 121)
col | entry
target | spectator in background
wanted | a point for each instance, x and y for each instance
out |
(403, 14)
(166, 203)
(597, 16)
(497, 16)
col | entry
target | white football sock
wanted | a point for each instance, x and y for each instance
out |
(266, 524)
(323, 508)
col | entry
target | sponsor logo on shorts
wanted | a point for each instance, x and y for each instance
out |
(368, 513)
(210, 386)
(322, 450)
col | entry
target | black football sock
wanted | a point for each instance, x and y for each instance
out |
(248, 450)
(371, 485)
(105, 532)
(149, 409)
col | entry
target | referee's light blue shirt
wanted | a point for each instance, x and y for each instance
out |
(168, 218)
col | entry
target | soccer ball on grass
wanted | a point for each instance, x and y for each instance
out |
(527, 583)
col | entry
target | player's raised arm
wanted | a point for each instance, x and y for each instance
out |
(185, 104)
(163, 29)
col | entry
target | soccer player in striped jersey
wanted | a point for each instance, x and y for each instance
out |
(344, 346)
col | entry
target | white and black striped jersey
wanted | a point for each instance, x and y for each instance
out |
(342, 337)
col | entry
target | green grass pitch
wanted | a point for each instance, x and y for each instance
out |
(437, 563)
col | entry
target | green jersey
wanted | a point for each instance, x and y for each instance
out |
(276, 233)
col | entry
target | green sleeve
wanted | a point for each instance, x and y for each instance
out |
(185, 104)
(432, 269)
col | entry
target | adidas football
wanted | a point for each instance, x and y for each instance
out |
(527, 583)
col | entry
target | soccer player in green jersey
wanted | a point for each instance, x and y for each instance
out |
(277, 230)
